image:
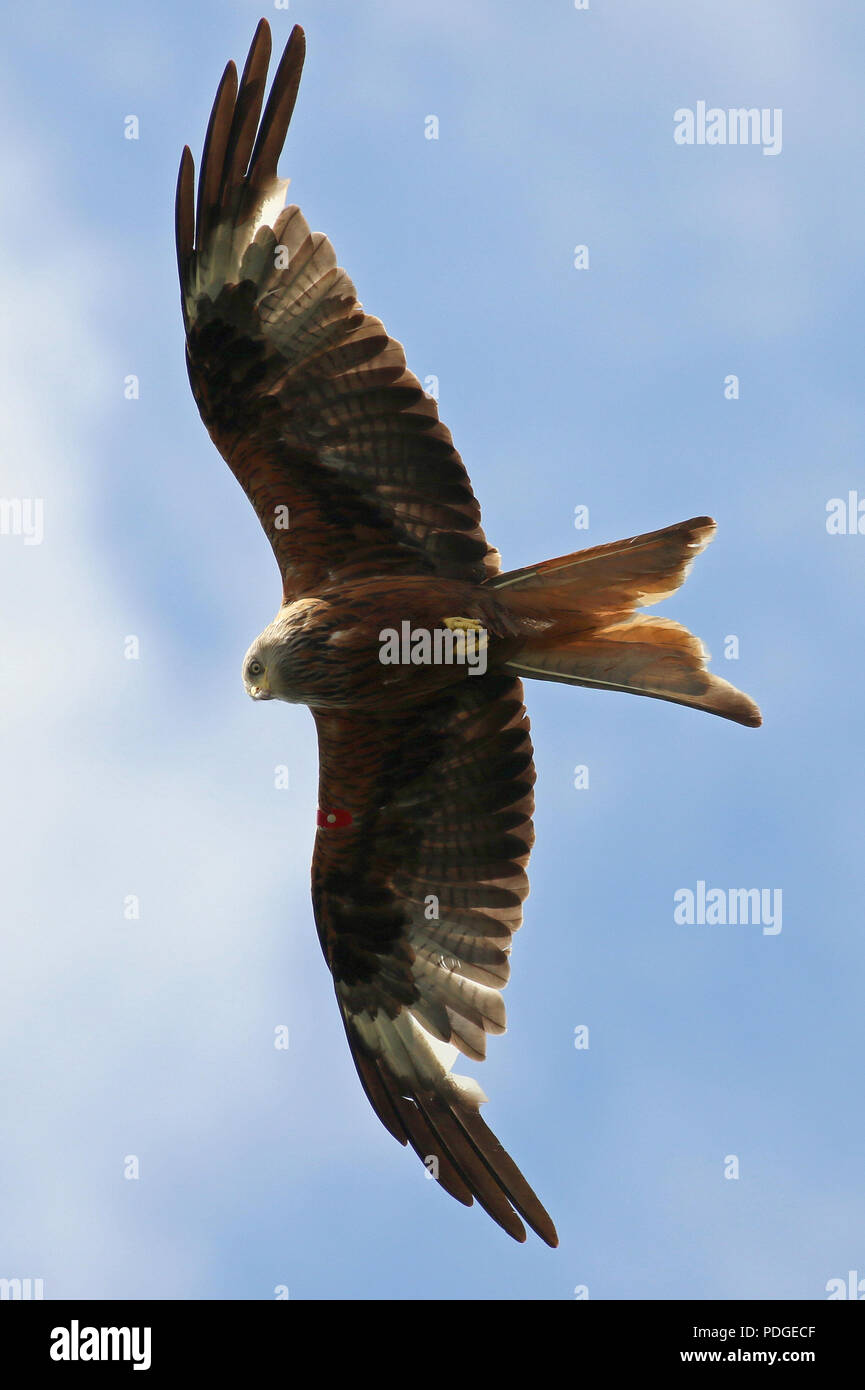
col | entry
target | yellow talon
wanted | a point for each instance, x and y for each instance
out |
(468, 625)
(463, 624)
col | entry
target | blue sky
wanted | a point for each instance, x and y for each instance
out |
(155, 777)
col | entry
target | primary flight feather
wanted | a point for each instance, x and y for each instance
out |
(426, 774)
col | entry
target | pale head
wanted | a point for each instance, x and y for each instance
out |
(282, 662)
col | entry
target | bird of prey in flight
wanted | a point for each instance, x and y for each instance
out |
(426, 774)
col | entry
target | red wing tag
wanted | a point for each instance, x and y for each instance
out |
(331, 818)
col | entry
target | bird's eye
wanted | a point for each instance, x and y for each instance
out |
(254, 668)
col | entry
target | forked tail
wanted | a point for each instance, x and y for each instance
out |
(587, 632)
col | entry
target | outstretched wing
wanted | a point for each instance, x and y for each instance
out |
(418, 877)
(308, 400)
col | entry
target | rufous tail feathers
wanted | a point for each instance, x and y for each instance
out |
(587, 632)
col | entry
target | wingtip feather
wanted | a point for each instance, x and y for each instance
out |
(184, 213)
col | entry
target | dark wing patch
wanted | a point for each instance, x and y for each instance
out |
(417, 893)
(305, 395)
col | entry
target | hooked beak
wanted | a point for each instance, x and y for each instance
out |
(262, 690)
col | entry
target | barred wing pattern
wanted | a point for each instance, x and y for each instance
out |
(305, 395)
(418, 887)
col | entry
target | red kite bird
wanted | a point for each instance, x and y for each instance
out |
(399, 630)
